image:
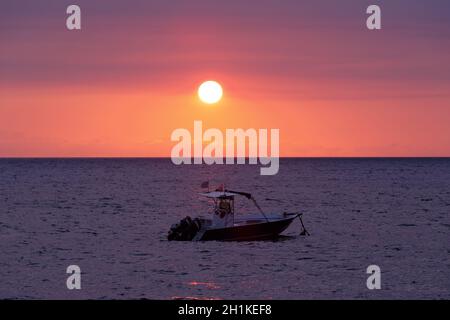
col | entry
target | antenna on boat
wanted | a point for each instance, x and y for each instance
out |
(250, 197)
(259, 208)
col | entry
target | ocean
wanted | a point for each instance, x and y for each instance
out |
(110, 217)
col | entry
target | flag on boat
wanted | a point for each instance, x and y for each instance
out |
(205, 184)
(221, 187)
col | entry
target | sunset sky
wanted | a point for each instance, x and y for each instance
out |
(122, 84)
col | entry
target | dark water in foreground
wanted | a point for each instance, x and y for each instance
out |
(111, 217)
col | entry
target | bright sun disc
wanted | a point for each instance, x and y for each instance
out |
(210, 92)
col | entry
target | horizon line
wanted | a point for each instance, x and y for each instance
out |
(284, 157)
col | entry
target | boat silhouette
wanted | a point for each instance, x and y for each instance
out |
(225, 226)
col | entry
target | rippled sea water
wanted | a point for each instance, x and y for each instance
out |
(111, 217)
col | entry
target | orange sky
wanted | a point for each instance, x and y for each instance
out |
(122, 84)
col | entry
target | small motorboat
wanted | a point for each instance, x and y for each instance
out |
(225, 226)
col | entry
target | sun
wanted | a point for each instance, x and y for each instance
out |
(210, 92)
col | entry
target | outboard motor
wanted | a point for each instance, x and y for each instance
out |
(185, 230)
